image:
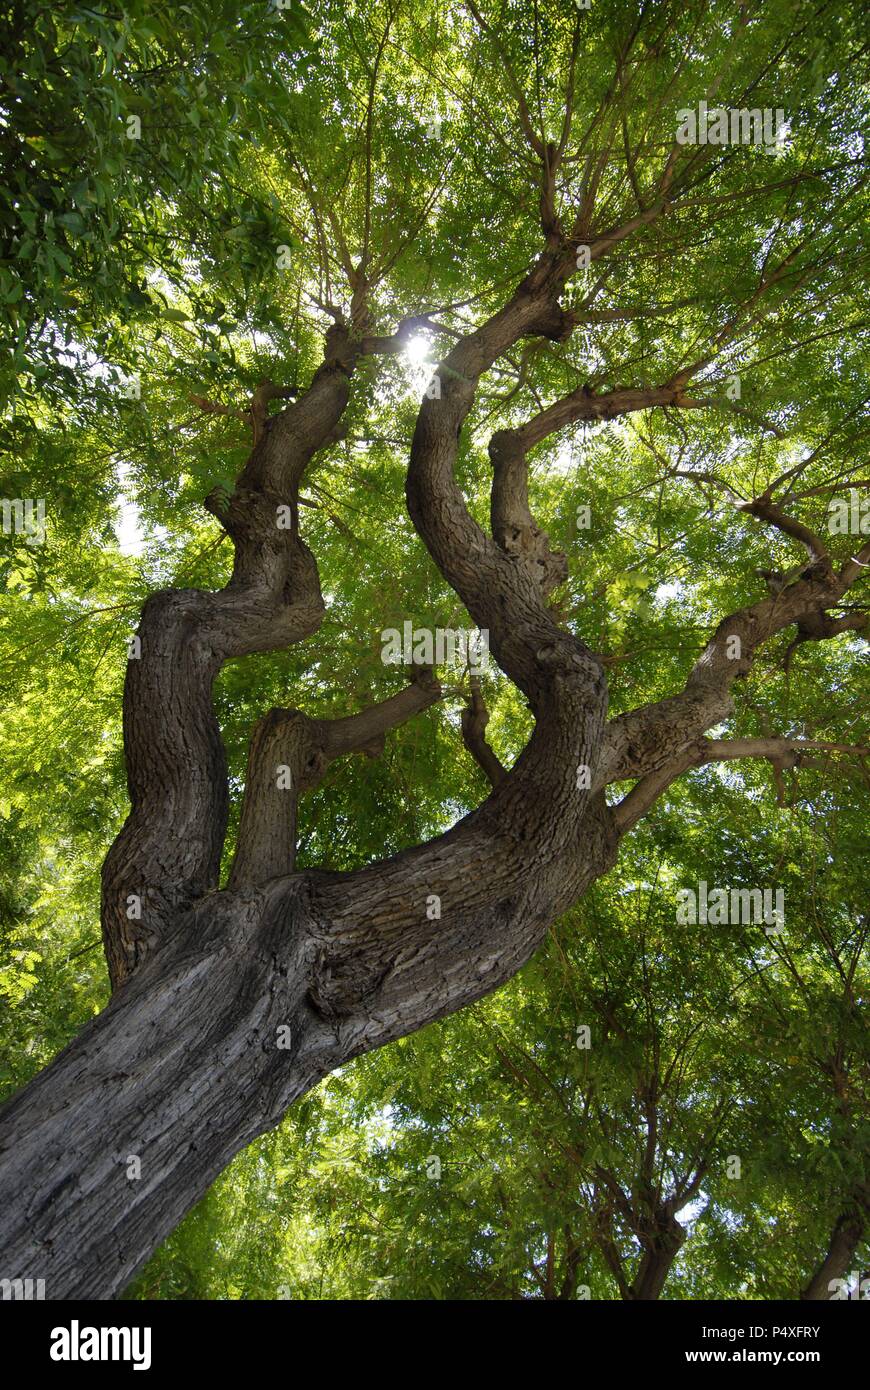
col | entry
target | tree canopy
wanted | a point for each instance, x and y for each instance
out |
(440, 287)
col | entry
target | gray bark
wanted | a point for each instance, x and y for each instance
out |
(185, 1066)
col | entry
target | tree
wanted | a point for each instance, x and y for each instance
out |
(643, 1112)
(577, 264)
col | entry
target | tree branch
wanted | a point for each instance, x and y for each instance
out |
(168, 852)
(845, 1238)
(475, 718)
(289, 754)
(652, 736)
(781, 752)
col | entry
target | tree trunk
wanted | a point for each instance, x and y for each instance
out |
(193, 1058)
(837, 1264)
(180, 1071)
(655, 1266)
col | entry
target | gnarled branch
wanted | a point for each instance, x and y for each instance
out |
(289, 754)
(475, 718)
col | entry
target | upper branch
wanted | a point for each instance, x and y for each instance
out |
(513, 526)
(289, 754)
(781, 752)
(653, 736)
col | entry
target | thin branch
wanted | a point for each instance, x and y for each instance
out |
(475, 718)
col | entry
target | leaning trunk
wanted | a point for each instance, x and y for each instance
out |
(845, 1239)
(255, 997)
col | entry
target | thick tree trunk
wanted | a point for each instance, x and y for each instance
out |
(192, 1058)
(838, 1262)
(180, 1071)
(189, 1062)
(656, 1263)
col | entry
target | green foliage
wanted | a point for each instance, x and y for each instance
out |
(136, 273)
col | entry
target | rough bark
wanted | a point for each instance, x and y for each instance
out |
(190, 1061)
(168, 852)
(185, 1065)
(289, 754)
(838, 1261)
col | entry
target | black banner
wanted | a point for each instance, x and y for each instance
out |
(85, 1339)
